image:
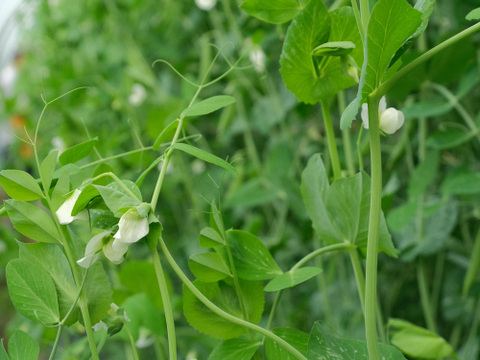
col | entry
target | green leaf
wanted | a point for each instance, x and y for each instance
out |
(47, 169)
(144, 314)
(208, 267)
(461, 182)
(152, 166)
(292, 278)
(473, 15)
(275, 12)
(209, 105)
(139, 277)
(98, 290)
(424, 175)
(334, 48)
(391, 23)
(308, 77)
(203, 155)
(252, 259)
(51, 259)
(88, 193)
(473, 267)
(253, 192)
(32, 291)
(235, 349)
(22, 346)
(210, 238)
(298, 339)
(225, 297)
(448, 138)
(166, 133)
(418, 342)
(77, 152)
(20, 185)
(31, 221)
(320, 343)
(3, 352)
(116, 198)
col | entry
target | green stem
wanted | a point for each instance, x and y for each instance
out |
(274, 309)
(383, 88)
(221, 312)
(358, 19)
(346, 137)
(132, 342)
(359, 277)
(332, 147)
(119, 182)
(373, 228)
(365, 10)
(313, 254)
(359, 148)
(167, 307)
(425, 296)
(105, 159)
(56, 342)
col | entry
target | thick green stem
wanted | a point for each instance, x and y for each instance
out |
(332, 146)
(167, 307)
(359, 277)
(346, 137)
(373, 228)
(313, 254)
(221, 312)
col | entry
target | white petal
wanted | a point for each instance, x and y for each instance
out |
(382, 105)
(364, 115)
(391, 120)
(92, 250)
(64, 212)
(205, 4)
(115, 254)
(99, 326)
(131, 227)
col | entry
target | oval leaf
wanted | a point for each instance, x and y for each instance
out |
(208, 267)
(298, 339)
(292, 278)
(209, 105)
(210, 238)
(31, 221)
(203, 155)
(32, 291)
(22, 346)
(473, 15)
(47, 169)
(77, 152)
(20, 185)
(275, 12)
(235, 349)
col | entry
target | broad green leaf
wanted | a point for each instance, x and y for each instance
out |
(292, 278)
(47, 169)
(275, 12)
(402, 215)
(209, 105)
(298, 339)
(427, 108)
(225, 297)
(320, 343)
(235, 349)
(88, 193)
(448, 138)
(3, 352)
(461, 182)
(473, 267)
(152, 166)
(116, 198)
(22, 346)
(77, 152)
(424, 175)
(62, 187)
(139, 277)
(166, 133)
(50, 258)
(210, 238)
(252, 259)
(31, 221)
(253, 192)
(143, 313)
(311, 78)
(20, 185)
(418, 342)
(32, 291)
(426, 8)
(390, 24)
(98, 291)
(334, 48)
(102, 169)
(473, 15)
(203, 155)
(208, 267)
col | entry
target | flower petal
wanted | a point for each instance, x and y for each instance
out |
(131, 227)
(115, 254)
(391, 120)
(64, 212)
(364, 115)
(92, 250)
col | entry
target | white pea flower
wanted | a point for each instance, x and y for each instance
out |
(98, 243)
(64, 212)
(257, 57)
(131, 228)
(205, 4)
(391, 119)
(138, 95)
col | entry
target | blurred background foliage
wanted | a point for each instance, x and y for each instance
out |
(109, 46)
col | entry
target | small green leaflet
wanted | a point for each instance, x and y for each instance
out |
(473, 15)
(77, 152)
(298, 339)
(208, 267)
(334, 48)
(210, 238)
(20, 185)
(203, 155)
(209, 105)
(21, 346)
(47, 169)
(166, 133)
(275, 12)
(235, 349)
(292, 278)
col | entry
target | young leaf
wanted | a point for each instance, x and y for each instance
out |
(32, 291)
(116, 197)
(235, 349)
(31, 221)
(203, 155)
(473, 15)
(292, 278)
(99, 290)
(166, 133)
(47, 169)
(418, 342)
(275, 12)
(22, 346)
(210, 238)
(252, 259)
(334, 48)
(298, 339)
(209, 105)
(77, 152)
(20, 185)
(225, 297)
(208, 267)
(88, 193)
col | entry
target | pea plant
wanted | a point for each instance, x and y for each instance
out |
(84, 219)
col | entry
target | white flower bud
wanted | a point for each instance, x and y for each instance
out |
(64, 212)
(391, 119)
(205, 4)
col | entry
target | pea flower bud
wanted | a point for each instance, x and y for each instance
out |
(391, 119)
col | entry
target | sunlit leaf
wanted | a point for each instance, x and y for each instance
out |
(292, 278)
(203, 155)
(77, 152)
(275, 12)
(235, 349)
(20, 185)
(209, 105)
